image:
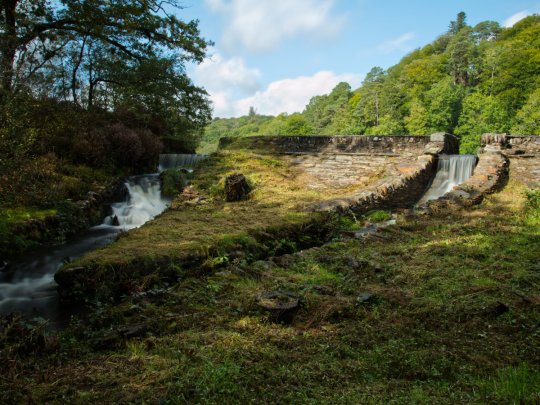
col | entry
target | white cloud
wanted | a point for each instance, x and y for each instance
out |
(510, 21)
(401, 44)
(287, 95)
(262, 24)
(219, 75)
(234, 87)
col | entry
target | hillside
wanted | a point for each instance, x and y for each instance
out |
(469, 81)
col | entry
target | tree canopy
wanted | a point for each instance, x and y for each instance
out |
(468, 81)
(105, 54)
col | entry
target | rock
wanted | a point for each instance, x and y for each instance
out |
(4, 266)
(281, 305)
(236, 187)
(323, 290)
(134, 331)
(366, 298)
(115, 221)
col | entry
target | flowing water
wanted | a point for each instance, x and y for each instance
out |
(179, 161)
(452, 170)
(28, 286)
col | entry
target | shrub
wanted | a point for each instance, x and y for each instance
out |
(126, 146)
(173, 182)
(91, 148)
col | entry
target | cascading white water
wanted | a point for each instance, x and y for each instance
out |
(179, 161)
(28, 286)
(144, 202)
(452, 170)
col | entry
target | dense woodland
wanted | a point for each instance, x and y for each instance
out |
(90, 89)
(469, 81)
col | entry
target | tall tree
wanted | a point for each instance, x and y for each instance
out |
(137, 30)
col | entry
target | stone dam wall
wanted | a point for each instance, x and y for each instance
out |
(348, 144)
(523, 153)
(366, 172)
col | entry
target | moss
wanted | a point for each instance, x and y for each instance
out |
(22, 214)
(378, 216)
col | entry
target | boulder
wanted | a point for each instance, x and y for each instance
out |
(236, 187)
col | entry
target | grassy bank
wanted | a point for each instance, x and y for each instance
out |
(452, 317)
(206, 229)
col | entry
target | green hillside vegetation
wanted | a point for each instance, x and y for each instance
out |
(469, 81)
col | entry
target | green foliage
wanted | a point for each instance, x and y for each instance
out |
(469, 80)
(481, 114)
(378, 216)
(527, 120)
(173, 182)
(96, 57)
(532, 199)
(517, 385)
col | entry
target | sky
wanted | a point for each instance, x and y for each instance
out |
(274, 55)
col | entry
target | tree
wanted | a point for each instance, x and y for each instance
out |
(35, 31)
(370, 105)
(444, 105)
(417, 121)
(323, 110)
(459, 24)
(528, 118)
(296, 124)
(105, 54)
(481, 114)
(461, 51)
(387, 126)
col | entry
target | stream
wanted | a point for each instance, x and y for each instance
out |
(28, 286)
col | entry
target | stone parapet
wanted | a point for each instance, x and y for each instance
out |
(523, 152)
(391, 145)
(512, 144)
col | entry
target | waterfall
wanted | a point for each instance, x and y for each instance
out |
(143, 203)
(28, 285)
(452, 170)
(179, 161)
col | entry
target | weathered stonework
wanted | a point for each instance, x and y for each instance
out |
(356, 144)
(523, 153)
(490, 174)
(402, 188)
(348, 165)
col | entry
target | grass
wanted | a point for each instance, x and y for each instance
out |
(454, 320)
(279, 199)
(17, 215)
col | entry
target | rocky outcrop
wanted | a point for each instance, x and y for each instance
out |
(72, 219)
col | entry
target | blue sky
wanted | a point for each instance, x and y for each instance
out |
(276, 54)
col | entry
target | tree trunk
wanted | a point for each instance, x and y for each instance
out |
(75, 70)
(8, 43)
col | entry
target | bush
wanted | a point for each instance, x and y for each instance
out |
(126, 146)
(173, 182)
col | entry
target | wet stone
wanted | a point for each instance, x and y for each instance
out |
(366, 298)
